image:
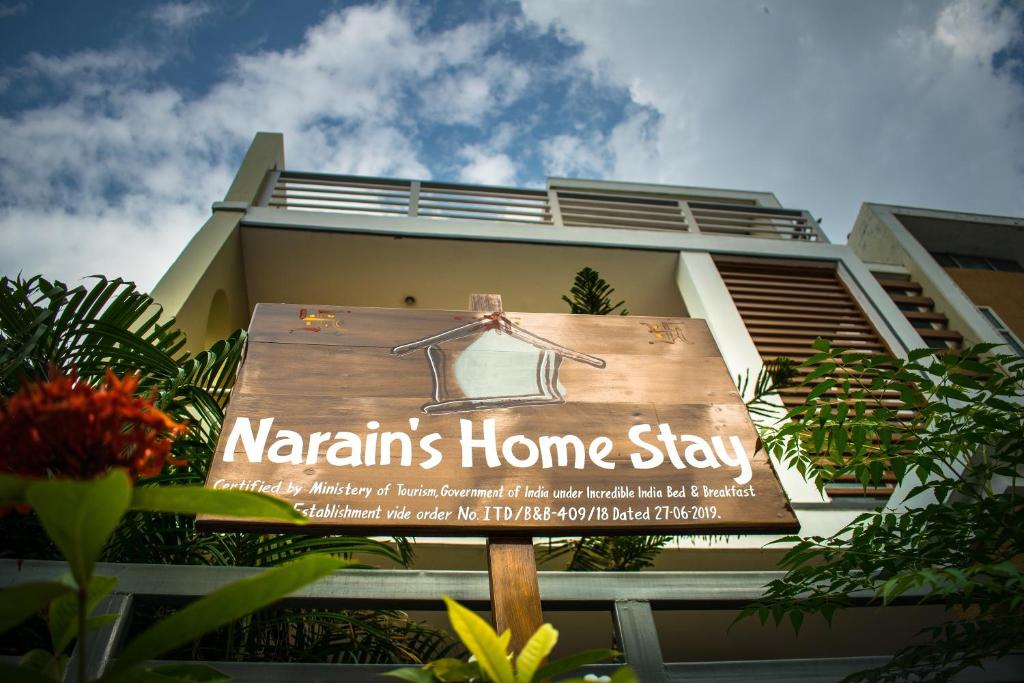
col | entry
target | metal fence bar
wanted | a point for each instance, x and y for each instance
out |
(691, 221)
(638, 637)
(414, 198)
(423, 589)
(103, 643)
(417, 588)
(630, 596)
(555, 208)
(818, 235)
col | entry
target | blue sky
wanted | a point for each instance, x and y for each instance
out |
(121, 123)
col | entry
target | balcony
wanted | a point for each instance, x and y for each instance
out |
(563, 204)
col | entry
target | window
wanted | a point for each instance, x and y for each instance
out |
(1012, 340)
(977, 262)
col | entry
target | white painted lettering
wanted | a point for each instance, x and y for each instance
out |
(741, 460)
(657, 457)
(252, 445)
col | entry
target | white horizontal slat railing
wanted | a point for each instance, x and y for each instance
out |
(575, 207)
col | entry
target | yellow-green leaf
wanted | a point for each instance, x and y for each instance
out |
(534, 652)
(480, 639)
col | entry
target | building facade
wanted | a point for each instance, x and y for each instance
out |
(764, 277)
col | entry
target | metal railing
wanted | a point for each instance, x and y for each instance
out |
(385, 197)
(630, 597)
(558, 206)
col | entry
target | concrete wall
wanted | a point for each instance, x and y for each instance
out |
(205, 288)
(879, 237)
(1004, 292)
(374, 270)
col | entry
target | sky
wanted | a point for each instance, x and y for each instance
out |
(121, 123)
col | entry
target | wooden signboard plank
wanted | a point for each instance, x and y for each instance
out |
(421, 422)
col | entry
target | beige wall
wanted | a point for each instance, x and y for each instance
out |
(294, 266)
(1004, 292)
(192, 297)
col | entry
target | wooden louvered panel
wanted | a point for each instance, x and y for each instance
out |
(920, 311)
(786, 304)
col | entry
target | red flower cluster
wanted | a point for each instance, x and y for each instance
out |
(65, 428)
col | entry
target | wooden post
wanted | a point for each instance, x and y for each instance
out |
(511, 567)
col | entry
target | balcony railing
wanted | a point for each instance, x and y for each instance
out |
(570, 207)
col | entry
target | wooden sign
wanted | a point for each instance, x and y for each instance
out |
(424, 422)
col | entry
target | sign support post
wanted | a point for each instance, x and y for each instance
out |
(511, 566)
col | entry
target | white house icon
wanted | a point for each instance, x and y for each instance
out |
(492, 363)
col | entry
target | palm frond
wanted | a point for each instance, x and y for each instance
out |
(606, 553)
(776, 374)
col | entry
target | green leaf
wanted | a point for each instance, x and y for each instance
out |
(20, 602)
(573, 662)
(450, 670)
(823, 369)
(63, 621)
(79, 516)
(533, 653)
(190, 500)
(411, 675)
(12, 489)
(820, 389)
(624, 674)
(224, 606)
(797, 618)
(481, 640)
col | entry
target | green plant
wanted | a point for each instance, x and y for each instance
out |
(949, 429)
(607, 553)
(111, 325)
(591, 295)
(87, 329)
(492, 662)
(74, 452)
(774, 375)
(311, 635)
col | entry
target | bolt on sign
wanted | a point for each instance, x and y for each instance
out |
(373, 420)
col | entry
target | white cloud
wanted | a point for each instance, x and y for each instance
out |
(177, 16)
(826, 104)
(976, 30)
(117, 175)
(489, 162)
(469, 94)
(486, 168)
(575, 156)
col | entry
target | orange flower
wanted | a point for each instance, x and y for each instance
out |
(65, 428)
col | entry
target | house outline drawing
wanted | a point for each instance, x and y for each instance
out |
(490, 381)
